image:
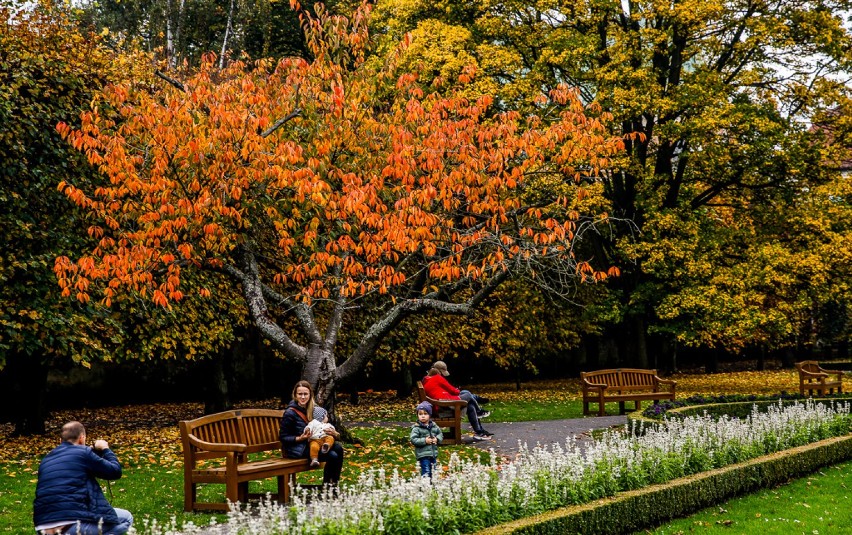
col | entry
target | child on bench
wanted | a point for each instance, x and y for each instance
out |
(322, 435)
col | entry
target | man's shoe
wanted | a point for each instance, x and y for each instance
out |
(314, 463)
(483, 414)
(482, 435)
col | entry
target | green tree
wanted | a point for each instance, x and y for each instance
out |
(720, 93)
(50, 73)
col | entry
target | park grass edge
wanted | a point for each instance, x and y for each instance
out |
(630, 511)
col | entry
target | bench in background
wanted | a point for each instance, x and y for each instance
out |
(815, 379)
(446, 413)
(623, 384)
(232, 436)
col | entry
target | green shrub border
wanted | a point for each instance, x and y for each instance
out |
(634, 510)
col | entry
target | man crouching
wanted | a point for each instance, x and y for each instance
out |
(69, 499)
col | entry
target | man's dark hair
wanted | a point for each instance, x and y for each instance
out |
(72, 431)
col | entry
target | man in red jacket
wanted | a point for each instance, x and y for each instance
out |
(437, 387)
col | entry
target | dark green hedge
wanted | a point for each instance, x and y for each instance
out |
(635, 510)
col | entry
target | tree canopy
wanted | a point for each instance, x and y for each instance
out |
(314, 184)
(723, 94)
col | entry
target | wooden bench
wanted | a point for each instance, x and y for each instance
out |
(446, 413)
(232, 436)
(815, 379)
(623, 384)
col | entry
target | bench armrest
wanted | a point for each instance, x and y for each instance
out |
(212, 446)
(666, 381)
(601, 386)
(448, 402)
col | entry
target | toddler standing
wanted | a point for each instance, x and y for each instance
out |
(425, 436)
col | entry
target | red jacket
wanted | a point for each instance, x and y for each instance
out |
(437, 387)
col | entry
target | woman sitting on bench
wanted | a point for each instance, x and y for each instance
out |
(437, 387)
(295, 434)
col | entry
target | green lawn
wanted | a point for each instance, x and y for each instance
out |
(818, 504)
(152, 489)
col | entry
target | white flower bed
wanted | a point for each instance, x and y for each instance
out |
(472, 496)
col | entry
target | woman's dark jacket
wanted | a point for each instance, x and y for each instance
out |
(292, 427)
(67, 488)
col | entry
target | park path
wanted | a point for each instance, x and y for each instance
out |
(508, 436)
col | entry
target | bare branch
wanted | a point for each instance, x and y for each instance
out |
(172, 81)
(280, 122)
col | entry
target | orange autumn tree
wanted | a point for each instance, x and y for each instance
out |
(318, 184)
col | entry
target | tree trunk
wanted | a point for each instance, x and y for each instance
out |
(28, 393)
(259, 354)
(711, 364)
(641, 341)
(318, 369)
(674, 356)
(593, 352)
(406, 383)
(788, 356)
(227, 36)
(218, 396)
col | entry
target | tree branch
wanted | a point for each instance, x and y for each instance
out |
(280, 122)
(159, 74)
(377, 332)
(301, 311)
(253, 293)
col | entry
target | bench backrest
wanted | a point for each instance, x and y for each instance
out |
(623, 378)
(638, 378)
(421, 392)
(256, 428)
(810, 366)
(607, 377)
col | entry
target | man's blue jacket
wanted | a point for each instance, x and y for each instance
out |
(67, 488)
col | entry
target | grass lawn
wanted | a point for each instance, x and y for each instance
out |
(152, 486)
(817, 504)
(147, 441)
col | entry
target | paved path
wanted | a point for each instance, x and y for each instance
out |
(508, 435)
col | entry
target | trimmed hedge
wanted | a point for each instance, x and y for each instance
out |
(631, 511)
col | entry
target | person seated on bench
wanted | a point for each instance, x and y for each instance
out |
(437, 387)
(295, 434)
